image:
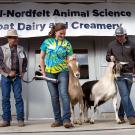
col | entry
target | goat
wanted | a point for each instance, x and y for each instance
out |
(75, 90)
(98, 92)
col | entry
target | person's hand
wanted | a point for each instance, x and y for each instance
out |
(12, 73)
(112, 58)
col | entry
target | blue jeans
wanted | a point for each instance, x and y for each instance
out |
(124, 87)
(60, 90)
(6, 84)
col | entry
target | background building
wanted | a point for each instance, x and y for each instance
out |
(90, 49)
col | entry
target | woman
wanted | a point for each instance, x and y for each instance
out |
(55, 52)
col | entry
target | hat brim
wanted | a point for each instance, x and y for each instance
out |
(11, 36)
(119, 34)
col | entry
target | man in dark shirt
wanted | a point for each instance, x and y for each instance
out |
(13, 63)
(123, 50)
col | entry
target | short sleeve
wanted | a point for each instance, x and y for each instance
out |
(43, 46)
(69, 49)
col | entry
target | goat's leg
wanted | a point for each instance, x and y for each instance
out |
(92, 118)
(81, 107)
(116, 109)
(72, 112)
(94, 109)
(86, 119)
(75, 121)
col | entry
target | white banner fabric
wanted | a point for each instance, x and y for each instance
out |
(34, 20)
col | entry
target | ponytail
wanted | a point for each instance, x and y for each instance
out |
(52, 32)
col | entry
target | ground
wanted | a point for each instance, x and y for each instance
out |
(102, 127)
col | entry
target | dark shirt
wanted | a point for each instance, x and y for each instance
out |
(123, 52)
(14, 60)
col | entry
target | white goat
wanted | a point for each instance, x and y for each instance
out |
(105, 89)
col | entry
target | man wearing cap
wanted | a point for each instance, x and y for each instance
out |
(123, 50)
(13, 63)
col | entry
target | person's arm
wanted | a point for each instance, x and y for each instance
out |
(25, 63)
(69, 51)
(133, 57)
(109, 56)
(42, 56)
(6, 71)
(42, 63)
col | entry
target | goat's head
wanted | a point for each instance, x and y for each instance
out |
(74, 66)
(118, 67)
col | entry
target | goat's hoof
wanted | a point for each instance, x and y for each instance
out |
(86, 121)
(92, 121)
(120, 122)
(77, 122)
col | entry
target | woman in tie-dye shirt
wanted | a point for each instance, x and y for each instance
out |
(55, 52)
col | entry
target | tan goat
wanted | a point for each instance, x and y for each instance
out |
(75, 90)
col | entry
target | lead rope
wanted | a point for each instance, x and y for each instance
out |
(41, 78)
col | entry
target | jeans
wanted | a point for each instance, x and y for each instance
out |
(6, 84)
(124, 87)
(60, 90)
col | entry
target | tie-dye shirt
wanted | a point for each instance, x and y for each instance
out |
(56, 52)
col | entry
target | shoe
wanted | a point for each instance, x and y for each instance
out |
(67, 124)
(122, 120)
(56, 124)
(5, 124)
(21, 123)
(131, 120)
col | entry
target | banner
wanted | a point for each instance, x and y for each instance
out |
(34, 20)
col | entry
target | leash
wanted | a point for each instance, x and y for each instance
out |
(41, 78)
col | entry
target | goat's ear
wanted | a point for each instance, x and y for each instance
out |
(74, 56)
(71, 57)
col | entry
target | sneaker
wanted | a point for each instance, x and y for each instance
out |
(131, 120)
(122, 120)
(21, 123)
(5, 124)
(56, 124)
(67, 124)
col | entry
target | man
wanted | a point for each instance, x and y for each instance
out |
(123, 50)
(13, 63)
